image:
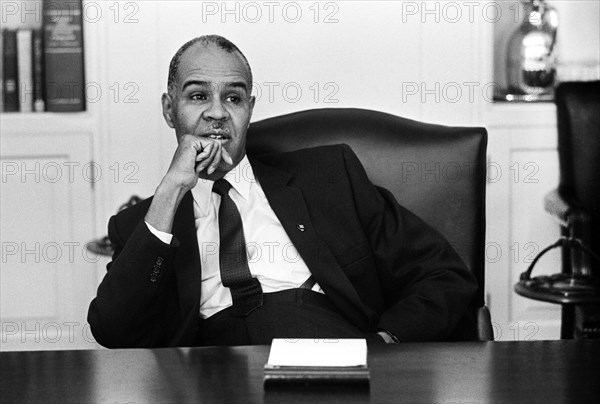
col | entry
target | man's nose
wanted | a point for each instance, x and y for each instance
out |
(216, 110)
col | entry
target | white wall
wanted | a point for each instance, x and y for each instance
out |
(376, 55)
(429, 60)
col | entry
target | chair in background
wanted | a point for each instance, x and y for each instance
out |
(437, 172)
(102, 245)
(576, 206)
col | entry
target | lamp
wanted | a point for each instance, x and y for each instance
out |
(531, 62)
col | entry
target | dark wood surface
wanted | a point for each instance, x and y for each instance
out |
(478, 372)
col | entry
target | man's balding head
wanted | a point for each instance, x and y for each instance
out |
(205, 40)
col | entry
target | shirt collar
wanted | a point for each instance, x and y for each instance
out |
(240, 177)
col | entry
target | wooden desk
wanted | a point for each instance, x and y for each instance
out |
(480, 372)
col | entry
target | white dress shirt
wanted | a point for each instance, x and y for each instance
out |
(272, 258)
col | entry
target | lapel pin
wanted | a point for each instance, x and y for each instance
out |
(301, 227)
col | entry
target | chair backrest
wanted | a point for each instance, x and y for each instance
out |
(437, 172)
(578, 116)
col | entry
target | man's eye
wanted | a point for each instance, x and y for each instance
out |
(198, 97)
(234, 99)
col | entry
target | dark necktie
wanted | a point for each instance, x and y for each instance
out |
(235, 274)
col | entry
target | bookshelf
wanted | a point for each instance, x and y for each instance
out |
(51, 122)
(42, 62)
(49, 208)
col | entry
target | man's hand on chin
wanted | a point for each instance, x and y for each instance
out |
(195, 157)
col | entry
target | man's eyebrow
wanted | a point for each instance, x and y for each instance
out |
(238, 84)
(201, 83)
(195, 83)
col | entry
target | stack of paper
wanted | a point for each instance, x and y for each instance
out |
(317, 360)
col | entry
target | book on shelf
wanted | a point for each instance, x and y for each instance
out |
(63, 53)
(39, 105)
(318, 361)
(25, 65)
(1, 70)
(10, 71)
(43, 69)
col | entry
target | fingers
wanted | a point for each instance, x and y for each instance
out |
(226, 157)
(212, 160)
(211, 155)
(215, 161)
(206, 156)
(205, 152)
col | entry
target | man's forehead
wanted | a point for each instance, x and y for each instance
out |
(211, 64)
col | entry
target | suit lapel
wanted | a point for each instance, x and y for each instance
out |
(287, 201)
(187, 259)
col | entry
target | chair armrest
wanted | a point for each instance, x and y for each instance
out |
(558, 207)
(485, 331)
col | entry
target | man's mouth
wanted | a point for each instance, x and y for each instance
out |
(216, 136)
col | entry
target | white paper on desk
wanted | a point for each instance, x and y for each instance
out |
(318, 352)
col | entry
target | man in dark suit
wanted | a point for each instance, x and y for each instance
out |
(326, 254)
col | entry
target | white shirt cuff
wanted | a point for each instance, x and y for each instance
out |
(162, 236)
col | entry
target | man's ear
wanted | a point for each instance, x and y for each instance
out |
(167, 109)
(252, 102)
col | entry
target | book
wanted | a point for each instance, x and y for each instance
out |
(39, 104)
(24, 64)
(11, 71)
(63, 56)
(1, 70)
(306, 361)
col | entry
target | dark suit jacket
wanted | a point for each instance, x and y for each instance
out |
(382, 266)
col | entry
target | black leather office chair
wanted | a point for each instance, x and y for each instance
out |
(437, 172)
(576, 206)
